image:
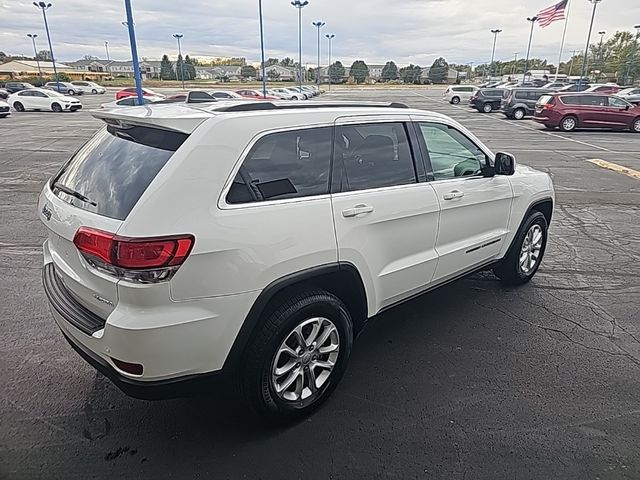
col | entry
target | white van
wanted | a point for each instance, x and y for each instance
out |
(456, 93)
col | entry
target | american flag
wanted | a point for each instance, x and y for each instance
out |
(549, 15)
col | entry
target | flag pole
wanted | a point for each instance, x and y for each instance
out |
(564, 34)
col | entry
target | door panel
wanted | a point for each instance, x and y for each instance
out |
(386, 223)
(474, 210)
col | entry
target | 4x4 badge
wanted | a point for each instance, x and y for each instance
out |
(46, 212)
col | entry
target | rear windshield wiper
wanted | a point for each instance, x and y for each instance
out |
(73, 193)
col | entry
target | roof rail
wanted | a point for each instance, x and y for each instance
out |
(259, 106)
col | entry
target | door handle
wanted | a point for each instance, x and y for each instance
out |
(357, 210)
(453, 195)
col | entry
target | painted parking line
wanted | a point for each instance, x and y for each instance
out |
(629, 172)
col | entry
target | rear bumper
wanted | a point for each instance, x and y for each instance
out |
(182, 347)
(546, 120)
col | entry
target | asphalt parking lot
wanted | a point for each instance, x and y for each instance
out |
(472, 381)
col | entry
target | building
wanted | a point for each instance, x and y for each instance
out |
(232, 73)
(278, 72)
(29, 68)
(91, 65)
(150, 69)
(452, 75)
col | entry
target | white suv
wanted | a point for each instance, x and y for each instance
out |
(256, 239)
(456, 93)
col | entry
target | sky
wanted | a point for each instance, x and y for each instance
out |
(406, 31)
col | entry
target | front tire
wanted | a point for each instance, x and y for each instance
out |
(71, 92)
(18, 107)
(525, 254)
(297, 357)
(487, 108)
(635, 125)
(94, 91)
(56, 107)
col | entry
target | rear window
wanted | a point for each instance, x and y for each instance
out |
(492, 92)
(114, 168)
(544, 99)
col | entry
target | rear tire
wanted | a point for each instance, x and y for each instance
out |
(94, 91)
(487, 108)
(635, 125)
(18, 107)
(455, 100)
(71, 92)
(569, 123)
(56, 107)
(526, 252)
(263, 389)
(519, 114)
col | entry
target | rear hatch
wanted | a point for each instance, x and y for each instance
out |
(97, 188)
(545, 102)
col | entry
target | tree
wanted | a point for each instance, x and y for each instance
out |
(389, 72)
(287, 62)
(189, 69)
(411, 73)
(248, 71)
(273, 74)
(44, 55)
(179, 68)
(3, 56)
(270, 62)
(166, 69)
(438, 73)
(359, 71)
(336, 72)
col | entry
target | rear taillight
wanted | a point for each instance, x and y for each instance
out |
(142, 260)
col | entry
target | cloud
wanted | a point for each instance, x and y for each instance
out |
(416, 31)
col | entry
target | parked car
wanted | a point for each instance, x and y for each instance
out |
(225, 95)
(587, 110)
(631, 95)
(574, 88)
(130, 101)
(255, 94)
(604, 88)
(13, 87)
(194, 96)
(281, 93)
(168, 269)
(310, 89)
(455, 94)
(5, 110)
(132, 92)
(486, 99)
(65, 88)
(43, 99)
(554, 85)
(297, 94)
(4, 94)
(518, 103)
(89, 87)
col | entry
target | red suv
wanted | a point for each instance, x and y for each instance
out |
(586, 110)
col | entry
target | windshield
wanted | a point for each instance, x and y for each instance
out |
(115, 167)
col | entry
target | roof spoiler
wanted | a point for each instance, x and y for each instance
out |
(179, 118)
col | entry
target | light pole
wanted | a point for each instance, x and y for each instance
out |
(318, 25)
(44, 6)
(493, 51)
(330, 37)
(106, 48)
(264, 68)
(526, 62)
(586, 48)
(573, 56)
(178, 36)
(300, 5)
(134, 51)
(33, 37)
(602, 34)
(629, 77)
(515, 64)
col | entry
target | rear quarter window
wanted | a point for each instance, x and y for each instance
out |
(115, 167)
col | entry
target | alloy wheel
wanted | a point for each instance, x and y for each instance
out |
(305, 359)
(636, 126)
(568, 124)
(530, 250)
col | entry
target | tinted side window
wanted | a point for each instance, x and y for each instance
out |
(572, 100)
(450, 152)
(285, 165)
(594, 100)
(374, 155)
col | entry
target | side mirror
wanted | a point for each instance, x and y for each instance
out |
(505, 164)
